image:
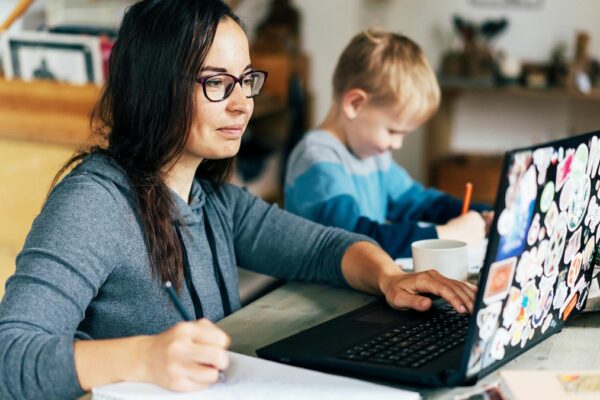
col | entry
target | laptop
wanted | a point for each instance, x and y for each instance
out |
(536, 275)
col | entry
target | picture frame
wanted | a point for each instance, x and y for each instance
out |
(74, 59)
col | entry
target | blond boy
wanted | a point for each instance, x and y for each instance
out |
(342, 173)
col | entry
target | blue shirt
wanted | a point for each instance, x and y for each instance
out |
(375, 196)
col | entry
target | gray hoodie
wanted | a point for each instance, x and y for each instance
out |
(84, 272)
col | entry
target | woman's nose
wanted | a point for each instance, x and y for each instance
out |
(238, 102)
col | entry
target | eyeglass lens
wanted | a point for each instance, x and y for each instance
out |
(220, 87)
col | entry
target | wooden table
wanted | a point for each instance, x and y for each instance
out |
(295, 307)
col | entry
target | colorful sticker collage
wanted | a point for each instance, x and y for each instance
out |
(548, 231)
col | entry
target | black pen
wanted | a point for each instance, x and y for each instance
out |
(184, 314)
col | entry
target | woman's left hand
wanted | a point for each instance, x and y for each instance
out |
(403, 290)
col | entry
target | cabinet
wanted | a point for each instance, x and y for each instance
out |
(449, 170)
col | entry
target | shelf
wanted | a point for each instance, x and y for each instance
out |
(46, 111)
(60, 113)
(521, 91)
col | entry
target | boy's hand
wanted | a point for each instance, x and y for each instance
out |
(470, 228)
(488, 217)
(403, 290)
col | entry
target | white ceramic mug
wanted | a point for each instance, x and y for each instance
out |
(448, 257)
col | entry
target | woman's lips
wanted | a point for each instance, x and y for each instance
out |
(232, 131)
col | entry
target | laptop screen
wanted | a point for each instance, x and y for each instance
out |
(539, 261)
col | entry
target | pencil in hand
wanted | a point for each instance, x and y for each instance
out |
(177, 302)
(467, 199)
(184, 314)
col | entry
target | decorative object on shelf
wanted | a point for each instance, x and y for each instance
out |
(74, 59)
(509, 3)
(474, 61)
(558, 69)
(583, 67)
(535, 75)
(508, 69)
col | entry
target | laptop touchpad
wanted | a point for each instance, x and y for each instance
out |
(381, 315)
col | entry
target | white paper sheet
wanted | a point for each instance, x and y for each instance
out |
(253, 378)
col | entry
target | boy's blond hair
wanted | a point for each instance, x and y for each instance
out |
(392, 69)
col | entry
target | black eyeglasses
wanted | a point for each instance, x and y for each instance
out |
(218, 87)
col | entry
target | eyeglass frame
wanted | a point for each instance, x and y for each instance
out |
(236, 80)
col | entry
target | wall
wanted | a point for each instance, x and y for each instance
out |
(484, 124)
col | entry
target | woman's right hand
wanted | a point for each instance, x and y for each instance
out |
(186, 357)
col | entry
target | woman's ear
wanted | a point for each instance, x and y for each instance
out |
(353, 101)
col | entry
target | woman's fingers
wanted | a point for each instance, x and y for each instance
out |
(403, 299)
(208, 333)
(209, 355)
(405, 292)
(192, 376)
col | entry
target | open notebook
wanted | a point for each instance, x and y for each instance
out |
(252, 378)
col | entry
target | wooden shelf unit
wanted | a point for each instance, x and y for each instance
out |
(448, 170)
(46, 111)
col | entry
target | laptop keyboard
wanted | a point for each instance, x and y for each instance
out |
(415, 345)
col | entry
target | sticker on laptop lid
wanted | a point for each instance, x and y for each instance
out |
(534, 230)
(512, 307)
(487, 320)
(499, 280)
(516, 331)
(474, 365)
(528, 267)
(572, 246)
(541, 159)
(580, 158)
(564, 169)
(588, 253)
(582, 296)
(542, 234)
(594, 158)
(547, 323)
(569, 305)
(562, 290)
(556, 247)
(499, 343)
(592, 218)
(578, 203)
(545, 302)
(551, 218)
(515, 219)
(525, 335)
(530, 297)
(547, 197)
(574, 270)
(572, 300)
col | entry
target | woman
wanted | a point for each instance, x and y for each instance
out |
(86, 305)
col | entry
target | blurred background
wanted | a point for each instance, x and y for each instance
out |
(513, 73)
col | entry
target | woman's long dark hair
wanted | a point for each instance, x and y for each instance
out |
(147, 107)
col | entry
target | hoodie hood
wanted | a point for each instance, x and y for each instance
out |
(106, 169)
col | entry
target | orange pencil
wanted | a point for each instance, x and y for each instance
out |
(467, 200)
